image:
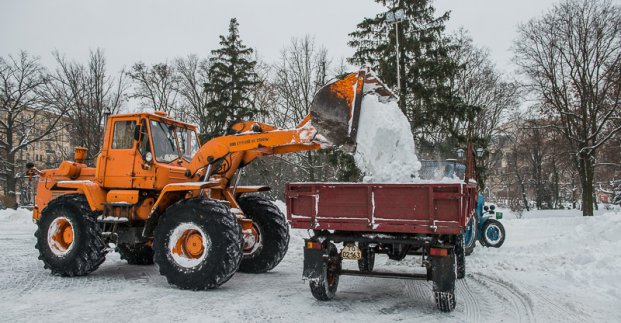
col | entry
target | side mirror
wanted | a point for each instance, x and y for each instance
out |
(492, 207)
(148, 157)
(137, 133)
(485, 208)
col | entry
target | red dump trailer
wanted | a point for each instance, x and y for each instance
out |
(398, 220)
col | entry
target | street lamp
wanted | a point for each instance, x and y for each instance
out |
(480, 152)
(460, 153)
(394, 17)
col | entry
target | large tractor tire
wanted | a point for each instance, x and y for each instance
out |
(493, 234)
(197, 244)
(271, 235)
(443, 276)
(460, 256)
(367, 262)
(138, 254)
(69, 239)
(325, 287)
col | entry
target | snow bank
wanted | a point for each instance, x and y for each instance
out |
(20, 215)
(385, 150)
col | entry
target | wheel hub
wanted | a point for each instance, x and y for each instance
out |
(60, 236)
(252, 239)
(493, 233)
(194, 244)
(188, 245)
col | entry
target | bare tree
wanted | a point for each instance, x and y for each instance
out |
(193, 74)
(285, 92)
(479, 84)
(156, 87)
(24, 118)
(486, 98)
(87, 93)
(571, 57)
(518, 166)
(300, 73)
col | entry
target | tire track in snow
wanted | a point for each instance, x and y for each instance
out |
(554, 310)
(472, 307)
(521, 304)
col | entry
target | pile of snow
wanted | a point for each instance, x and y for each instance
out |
(385, 150)
(22, 216)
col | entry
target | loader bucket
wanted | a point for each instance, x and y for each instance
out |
(335, 110)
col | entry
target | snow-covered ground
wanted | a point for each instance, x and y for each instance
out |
(554, 266)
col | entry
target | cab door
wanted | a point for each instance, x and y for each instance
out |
(121, 154)
(144, 167)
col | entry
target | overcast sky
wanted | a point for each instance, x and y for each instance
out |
(156, 30)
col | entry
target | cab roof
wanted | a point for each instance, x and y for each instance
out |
(159, 116)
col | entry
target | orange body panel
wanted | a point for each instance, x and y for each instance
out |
(122, 196)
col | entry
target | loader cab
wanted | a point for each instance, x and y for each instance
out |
(145, 151)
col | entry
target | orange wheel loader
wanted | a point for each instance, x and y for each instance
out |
(157, 195)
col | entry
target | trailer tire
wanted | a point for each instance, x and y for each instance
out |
(69, 238)
(274, 234)
(367, 262)
(470, 236)
(197, 244)
(460, 256)
(493, 234)
(138, 254)
(325, 287)
(443, 275)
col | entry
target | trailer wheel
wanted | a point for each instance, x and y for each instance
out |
(138, 254)
(367, 262)
(470, 235)
(460, 256)
(197, 244)
(271, 235)
(325, 287)
(68, 237)
(443, 276)
(493, 233)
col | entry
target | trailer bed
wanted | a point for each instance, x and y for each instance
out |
(426, 208)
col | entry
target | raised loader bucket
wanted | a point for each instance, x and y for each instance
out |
(335, 110)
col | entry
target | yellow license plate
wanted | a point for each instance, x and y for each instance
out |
(351, 252)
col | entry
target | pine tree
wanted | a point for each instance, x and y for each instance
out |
(232, 80)
(425, 65)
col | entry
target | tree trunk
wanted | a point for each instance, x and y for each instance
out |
(11, 183)
(311, 170)
(586, 170)
(523, 189)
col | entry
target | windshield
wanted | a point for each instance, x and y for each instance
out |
(437, 170)
(188, 142)
(164, 143)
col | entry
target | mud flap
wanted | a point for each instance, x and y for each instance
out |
(443, 272)
(314, 263)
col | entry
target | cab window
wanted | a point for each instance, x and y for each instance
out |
(188, 142)
(164, 143)
(144, 146)
(123, 135)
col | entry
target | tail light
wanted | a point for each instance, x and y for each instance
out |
(438, 252)
(313, 245)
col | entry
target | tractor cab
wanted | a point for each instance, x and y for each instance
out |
(145, 151)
